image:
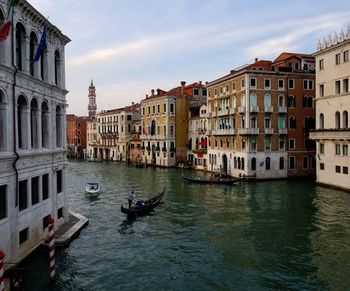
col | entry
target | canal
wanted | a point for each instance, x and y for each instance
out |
(252, 236)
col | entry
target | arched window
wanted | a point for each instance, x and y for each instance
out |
(321, 120)
(281, 163)
(267, 163)
(2, 44)
(281, 101)
(267, 100)
(253, 164)
(33, 45)
(234, 102)
(239, 163)
(345, 119)
(197, 141)
(129, 127)
(153, 127)
(242, 163)
(59, 126)
(291, 101)
(190, 144)
(252, 100)
(337, 120)
(20, 46)
(22, 122)
(243, 100)
(45, 125)
(3, 122)
(235, 162)
(34, 124)
(57, 68)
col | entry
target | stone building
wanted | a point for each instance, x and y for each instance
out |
(332, 111)
(32, 132)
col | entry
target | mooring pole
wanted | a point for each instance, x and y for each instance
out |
(52, 261)
(2, 279)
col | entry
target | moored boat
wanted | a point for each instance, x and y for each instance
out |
(213, 180)
(92, 188)
(143, 207)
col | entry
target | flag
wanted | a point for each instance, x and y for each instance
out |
(6, 26)
(41, 46)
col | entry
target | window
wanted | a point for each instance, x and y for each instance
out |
(345, 119)
(346, 56)
(292, 122)
(164, 107)
(337, 120)
(35, 190)
(345, 170)
(291, 163)
(321, 119)
(321, 64)
(281, 164)
(227, 88)
(337, 149)
(243, 83)
(291, 83)
(337, 59)
(305, 162)
(281, 143)
(345, 150)
(57, 68)
(60, 213)
(321, 90)
(337, 87)
(23, 236)
(252, 82)
(291, 101)
(59, 181)
(337, 169)
(345, 85)
(253, 164)
(172, 108)
(22, 191)
(321, 148)
(195, 91)
(308, 84)
(322, 166)
(234, 86)
(267, 143)
(267, 83)
(3, 201)
(46, 221)
(280, 84)
(267, 163)
(291, 143)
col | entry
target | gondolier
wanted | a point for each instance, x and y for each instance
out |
(130, 198)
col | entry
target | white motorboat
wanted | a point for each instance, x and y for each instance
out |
(92, 188)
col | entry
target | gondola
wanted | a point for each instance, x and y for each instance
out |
(143, 207)
(214, 180)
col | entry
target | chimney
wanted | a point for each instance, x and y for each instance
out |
(146, 96)
(200, 83)
(158, 90)
(183, 83)
(256, 60)
(152, 91)
(132, 103)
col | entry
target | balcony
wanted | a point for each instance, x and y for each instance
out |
(282, 109)
(248, 131)
(208, 132)
(172, 149)
(241, 109)
(282, 130)
(230, 131)
(269, 109)
(269, 130)
(201, 130)
(223, 112)
(196, 151)
(163, 149)
(254, 109)
(233, 110)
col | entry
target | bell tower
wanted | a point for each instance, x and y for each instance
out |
(92, 107)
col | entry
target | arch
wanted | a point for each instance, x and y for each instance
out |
(34, 123)
(235, 162)
(291, 101)
(345, 119)
(239, 163)
(33, 43)
(22, 122)
(243, 100)
(197, 141)
(45, 125)
(224, 163)
(242, 163)
(281, 101)
(57, 68)
(253, 99)
(2, 44)
(267, 163)
(267, 100)
(253, 164)
(20, 47)
(337, 120)
(321, 121)
(59, 126)
(3, 122)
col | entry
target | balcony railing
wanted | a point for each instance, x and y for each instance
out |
(269, 109)
(229, 131)
(241, 109)
(248, 131)
(282, 109)
(173, 149)
(196, 151)
(282, 130)
(223, 112)
(253, 108)
(269, 130)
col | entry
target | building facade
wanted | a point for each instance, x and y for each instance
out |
(252, 127)
(76, 135)
(32, 132)
(332, 111)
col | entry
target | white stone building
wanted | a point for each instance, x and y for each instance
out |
(332, 111)
(32, 132)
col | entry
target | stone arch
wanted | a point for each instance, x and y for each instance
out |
(20, 46)
(3, 121)
(59, 126)
(58, 68)
(22, 122)
(34, 123)
(337, 120)
(45, 124)
(33, 44)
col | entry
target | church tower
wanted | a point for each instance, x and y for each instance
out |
(92, 100)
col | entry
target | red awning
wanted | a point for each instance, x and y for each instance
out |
(203, 143)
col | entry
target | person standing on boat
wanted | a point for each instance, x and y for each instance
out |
(130, 198)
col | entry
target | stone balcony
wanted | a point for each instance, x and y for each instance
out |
(230, 131)
(248, 131)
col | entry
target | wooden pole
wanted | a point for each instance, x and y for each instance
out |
(52, 261)
(2, 279)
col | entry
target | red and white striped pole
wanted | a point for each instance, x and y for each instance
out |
(2, 279)
(52, 250)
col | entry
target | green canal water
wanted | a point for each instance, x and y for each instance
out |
(253, 236)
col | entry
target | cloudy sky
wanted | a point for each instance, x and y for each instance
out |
(130, 47)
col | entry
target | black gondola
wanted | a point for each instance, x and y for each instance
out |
(214, 180)
(143, 207)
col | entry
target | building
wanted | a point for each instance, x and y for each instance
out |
(332, 132)
(197, 139)
(32, 132)
(259, 117)
(76, 135)
(110, 132)
(164, 118)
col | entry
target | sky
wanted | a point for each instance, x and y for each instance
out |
(129, 47)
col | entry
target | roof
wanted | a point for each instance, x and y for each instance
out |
(286, 55)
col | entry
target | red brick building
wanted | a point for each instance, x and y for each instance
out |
(76, 135)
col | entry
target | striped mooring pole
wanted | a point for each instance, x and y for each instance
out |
(2, 279)
(52, 250)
